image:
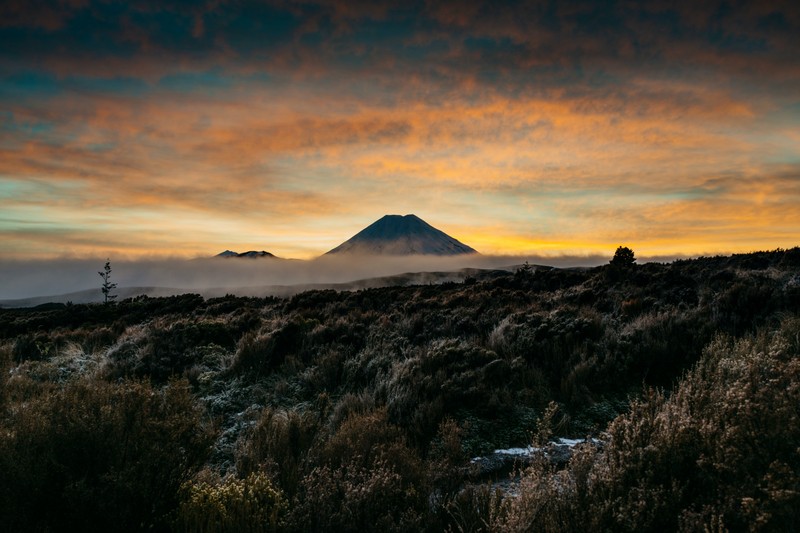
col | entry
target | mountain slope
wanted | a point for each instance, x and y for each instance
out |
(402, 235)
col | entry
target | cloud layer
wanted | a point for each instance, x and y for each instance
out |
(181, 129)
(248, 277)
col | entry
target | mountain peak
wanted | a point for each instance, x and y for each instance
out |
(251, 254)
(402, 235)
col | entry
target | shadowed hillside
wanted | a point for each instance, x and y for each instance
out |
(360, 411)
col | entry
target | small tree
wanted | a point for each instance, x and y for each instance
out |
(524, 271)
(623, 257)
(107, 286)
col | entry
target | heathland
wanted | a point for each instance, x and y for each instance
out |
(362, 410)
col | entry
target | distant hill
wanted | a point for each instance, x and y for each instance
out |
(402, 235)
(251, 254)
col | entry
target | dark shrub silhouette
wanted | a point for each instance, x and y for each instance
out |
(623, 258)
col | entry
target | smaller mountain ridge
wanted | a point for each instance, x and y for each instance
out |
(251, 254)
(402, 235)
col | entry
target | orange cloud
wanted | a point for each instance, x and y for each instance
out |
(274, 162)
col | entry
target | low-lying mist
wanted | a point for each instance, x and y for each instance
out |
(241, 276)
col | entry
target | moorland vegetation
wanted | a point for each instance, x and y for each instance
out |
(360, 411)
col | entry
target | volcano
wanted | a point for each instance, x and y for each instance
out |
(402, 235)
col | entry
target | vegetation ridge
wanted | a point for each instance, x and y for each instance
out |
(360, 411)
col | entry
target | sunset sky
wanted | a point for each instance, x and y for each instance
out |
(173, 128)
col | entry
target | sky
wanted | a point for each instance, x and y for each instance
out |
(153, 129)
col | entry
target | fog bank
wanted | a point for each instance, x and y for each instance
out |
(27, 279)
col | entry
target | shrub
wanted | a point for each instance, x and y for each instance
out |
(623, 257)
(366, 479)
(165, 349)
(260, 353)
(721, 452)
(250, 505)
(5, 364)
(94, 456)
(474, 509)
(441, 379)
(280, 441)
(28, 347)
